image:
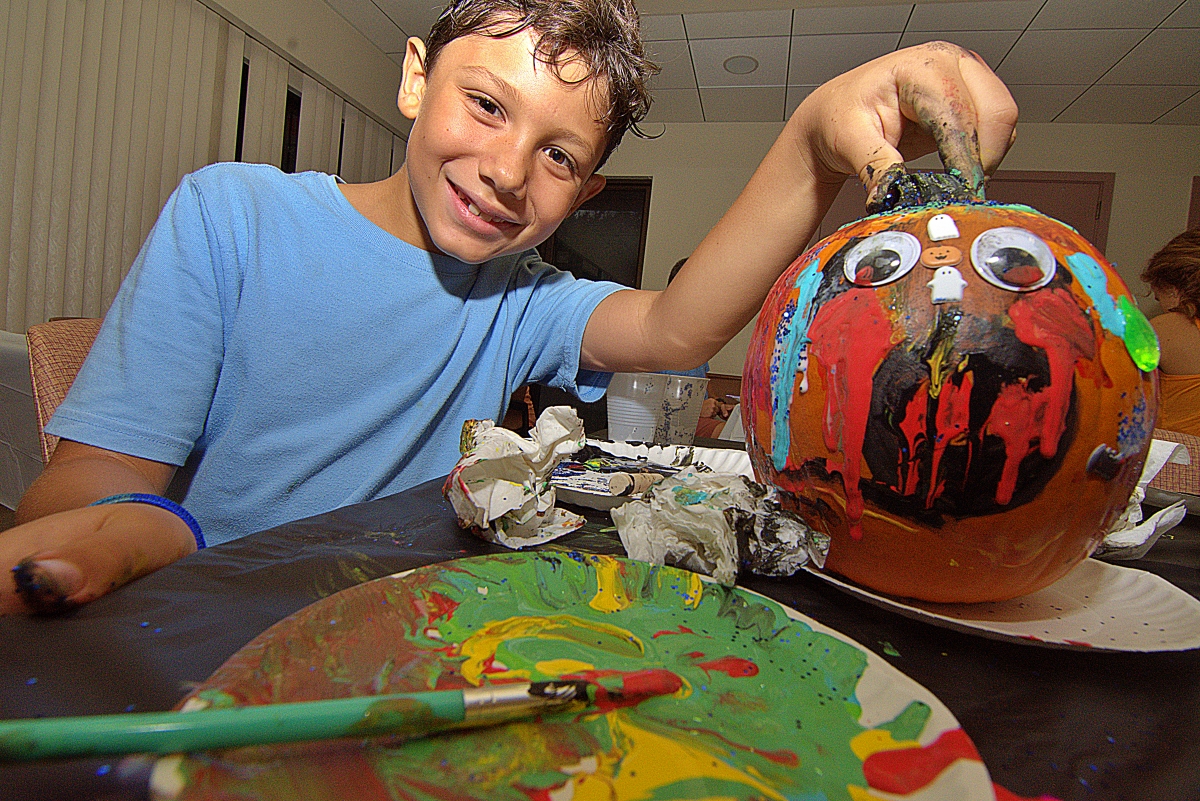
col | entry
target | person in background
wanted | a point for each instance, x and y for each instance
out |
(1173, 274)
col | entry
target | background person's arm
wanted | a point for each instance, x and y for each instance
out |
(86, 551)
(896, 108)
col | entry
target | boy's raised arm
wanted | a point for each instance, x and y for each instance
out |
(76, 552)
(898, 107)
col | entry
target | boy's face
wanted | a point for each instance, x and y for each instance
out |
(502, 149)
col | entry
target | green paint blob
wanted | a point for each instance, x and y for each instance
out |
(1140, 339)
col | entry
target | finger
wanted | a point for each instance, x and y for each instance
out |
(995, 110)
(935, 94)
(71, 558)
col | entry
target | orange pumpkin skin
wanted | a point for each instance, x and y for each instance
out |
(953, 451)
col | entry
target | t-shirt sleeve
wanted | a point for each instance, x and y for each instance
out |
(549, 337)
(148, 382)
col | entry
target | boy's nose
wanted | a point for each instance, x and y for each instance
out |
(506, 169)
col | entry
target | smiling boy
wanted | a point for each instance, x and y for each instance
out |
(303, 344)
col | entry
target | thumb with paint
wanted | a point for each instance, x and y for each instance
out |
(58, 562)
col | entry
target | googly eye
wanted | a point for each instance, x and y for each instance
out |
(1012, 259)
(881, 258)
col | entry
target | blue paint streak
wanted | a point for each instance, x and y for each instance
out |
(1095, 283)
(795, 341)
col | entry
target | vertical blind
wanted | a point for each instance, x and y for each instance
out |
(105, 105)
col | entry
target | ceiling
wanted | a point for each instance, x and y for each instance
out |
(1084, 61)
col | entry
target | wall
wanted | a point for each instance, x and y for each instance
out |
(699, 168)
(311, 35)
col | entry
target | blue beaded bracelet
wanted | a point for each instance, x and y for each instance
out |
(162, 503)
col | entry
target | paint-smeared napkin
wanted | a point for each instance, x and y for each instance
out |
(716, 523)
(501, 488)
(1132, 536)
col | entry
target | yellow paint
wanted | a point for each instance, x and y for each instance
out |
(481, 646)
(695, 589)
(561, 667)
(639, 757)
(861, 794)
(873, 741)
(938, 366)
(610, 590)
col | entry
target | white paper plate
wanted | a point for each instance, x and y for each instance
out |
(593, 495)
(1097, 606)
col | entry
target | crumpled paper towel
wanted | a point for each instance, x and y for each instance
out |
(1131, 536)
(501, 488)
(713, 522)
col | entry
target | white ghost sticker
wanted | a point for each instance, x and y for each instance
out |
(946, 286)
(941, 226)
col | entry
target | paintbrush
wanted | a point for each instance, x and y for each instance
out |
(406, 714)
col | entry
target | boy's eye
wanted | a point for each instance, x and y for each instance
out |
(560, 157)
(487, 105)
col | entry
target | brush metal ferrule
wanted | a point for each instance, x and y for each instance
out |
(508, 700)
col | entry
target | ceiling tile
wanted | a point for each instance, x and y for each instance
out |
(709, 57)
(994, 15)
(1125, 104)
(1186, 113)
(675, 105)
(415, 17)
(743, 104)
(661, 27)
(1050, 57)
(1078, 14)
(816, 59)
(728, 24)
(676, 62)
(870, 19)
(1187, 16)
(992, 46)
(1043, 103)
(1166, 56)
(371, 22)
(795, 96)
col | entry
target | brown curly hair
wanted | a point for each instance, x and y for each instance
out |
(1177, 266)
(606, 35)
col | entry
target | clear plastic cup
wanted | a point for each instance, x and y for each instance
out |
(654, 407)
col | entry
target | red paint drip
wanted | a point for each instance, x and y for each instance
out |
(1052, 321)
(1079, 643)
(694, 654)
(953, 420)
(913, 428)
(906, 770)
(1025, 420)
(733, 666)
(668, 632)
(631, 688)
(851, 335)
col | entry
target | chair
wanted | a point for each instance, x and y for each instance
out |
(1177, 481)
(56, 352)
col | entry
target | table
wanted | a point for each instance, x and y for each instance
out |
(1069, 724)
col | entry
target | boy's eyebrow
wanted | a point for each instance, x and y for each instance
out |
(506, 91)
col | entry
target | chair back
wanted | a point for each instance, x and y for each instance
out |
(56, 352)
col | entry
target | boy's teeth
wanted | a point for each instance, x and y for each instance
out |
(471, 207)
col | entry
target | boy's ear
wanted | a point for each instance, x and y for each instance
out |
(412, 81)
(591, 187)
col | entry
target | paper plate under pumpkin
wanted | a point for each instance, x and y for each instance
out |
(960, 394)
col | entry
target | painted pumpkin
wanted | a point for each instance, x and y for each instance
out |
(960, 394)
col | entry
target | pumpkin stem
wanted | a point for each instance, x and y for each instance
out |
(899, 189)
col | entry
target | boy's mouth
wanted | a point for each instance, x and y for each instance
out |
(480, 213)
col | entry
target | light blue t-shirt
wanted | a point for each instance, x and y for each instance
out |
(302, 358)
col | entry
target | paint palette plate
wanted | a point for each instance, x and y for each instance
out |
(773, 704)
(590, 488)
(1097, 606)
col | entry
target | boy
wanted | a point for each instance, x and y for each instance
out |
(304, 344)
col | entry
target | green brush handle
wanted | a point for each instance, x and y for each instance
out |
(412, 714)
